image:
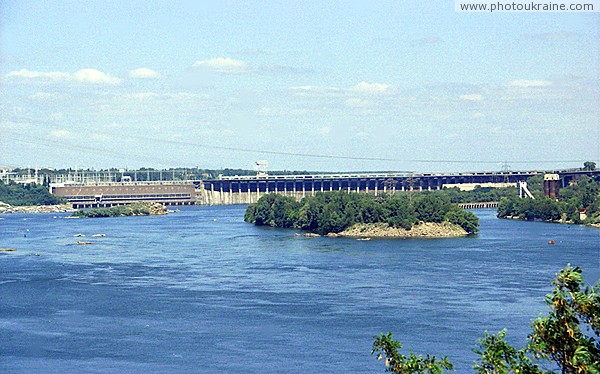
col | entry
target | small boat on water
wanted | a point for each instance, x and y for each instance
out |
(363, 239)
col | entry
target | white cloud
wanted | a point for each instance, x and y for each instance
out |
(472, 97)
(223, 65)
(144, 73)
(362, 88)
(316, 91)
(371, 88)
(361, 135)
(44, 96)
(146, 96)
(323, 130)
(57, 116)
(556, 35)
(267, 111)
(95, 77)
(45, 75)
(60, 133)
(100, 137)
(142, 96)
(84, 75)
(529, 83)
(355, 102)
(264, 111)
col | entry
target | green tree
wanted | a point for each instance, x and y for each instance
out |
(400, 213)
(589, 165)
(568, 337)
(507, 207)
(284, 211)
(569, 334)
(430, 208)
(263, 214)
(308, 215)
(386, 347)
(27, 194)
(499, 357)
(467, 220)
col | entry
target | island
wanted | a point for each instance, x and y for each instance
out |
(339, 213)
(135, 209)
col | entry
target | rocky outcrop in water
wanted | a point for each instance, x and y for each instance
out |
(422, 230)
(7, 208)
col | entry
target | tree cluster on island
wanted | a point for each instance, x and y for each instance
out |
(333, 212)
(567, 338)
(134, 209)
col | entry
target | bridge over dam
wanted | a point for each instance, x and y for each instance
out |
(228, 190)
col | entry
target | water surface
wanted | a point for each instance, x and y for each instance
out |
(202, 291)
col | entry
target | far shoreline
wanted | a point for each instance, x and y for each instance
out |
(560, 222)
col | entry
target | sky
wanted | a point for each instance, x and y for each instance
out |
(305, 85)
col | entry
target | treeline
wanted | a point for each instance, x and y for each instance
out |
(583, 194)
(26, 195)
(153, 174)
(333, 212)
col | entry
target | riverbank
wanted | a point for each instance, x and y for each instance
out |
(60, 208)
(560, 221)
(421, 230)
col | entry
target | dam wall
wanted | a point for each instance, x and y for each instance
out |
(231, 190)
(247, 190)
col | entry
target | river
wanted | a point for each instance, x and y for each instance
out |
(202, 291)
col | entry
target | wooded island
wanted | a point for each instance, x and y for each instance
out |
(335, 212)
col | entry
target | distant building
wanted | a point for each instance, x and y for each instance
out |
(582, 213)
(96, 195)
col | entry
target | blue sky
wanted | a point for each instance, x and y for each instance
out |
(222, 84)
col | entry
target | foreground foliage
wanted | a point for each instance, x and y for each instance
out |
(396, 362)
(568, 338)
(335, 211)
(26, 195)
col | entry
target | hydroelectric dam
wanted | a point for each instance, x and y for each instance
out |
(228, 190)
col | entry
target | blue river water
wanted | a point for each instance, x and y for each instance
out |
(202, 291)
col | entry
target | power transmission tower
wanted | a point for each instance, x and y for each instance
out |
(261, 168)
